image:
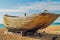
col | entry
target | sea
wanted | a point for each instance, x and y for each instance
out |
(54, 24)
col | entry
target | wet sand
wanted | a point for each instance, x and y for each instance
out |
(47, 35)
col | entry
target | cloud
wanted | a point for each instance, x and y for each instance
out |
(35, 6)
(11, 10)
(46, 5)
(41, 6)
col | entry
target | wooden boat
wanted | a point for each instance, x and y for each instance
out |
(29, 23)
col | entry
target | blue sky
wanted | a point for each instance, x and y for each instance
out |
(13, 7)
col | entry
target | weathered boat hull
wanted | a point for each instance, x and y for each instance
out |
(33, 23)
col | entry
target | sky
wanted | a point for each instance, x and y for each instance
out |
(19, 7)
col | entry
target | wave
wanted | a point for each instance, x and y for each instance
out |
(56, 23)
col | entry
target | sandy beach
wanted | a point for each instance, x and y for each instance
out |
(53, 29)
(49, 33)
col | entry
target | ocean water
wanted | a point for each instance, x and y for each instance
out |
(56, 23)
(1, 25)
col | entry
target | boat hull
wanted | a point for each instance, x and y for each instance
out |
(36, 22)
